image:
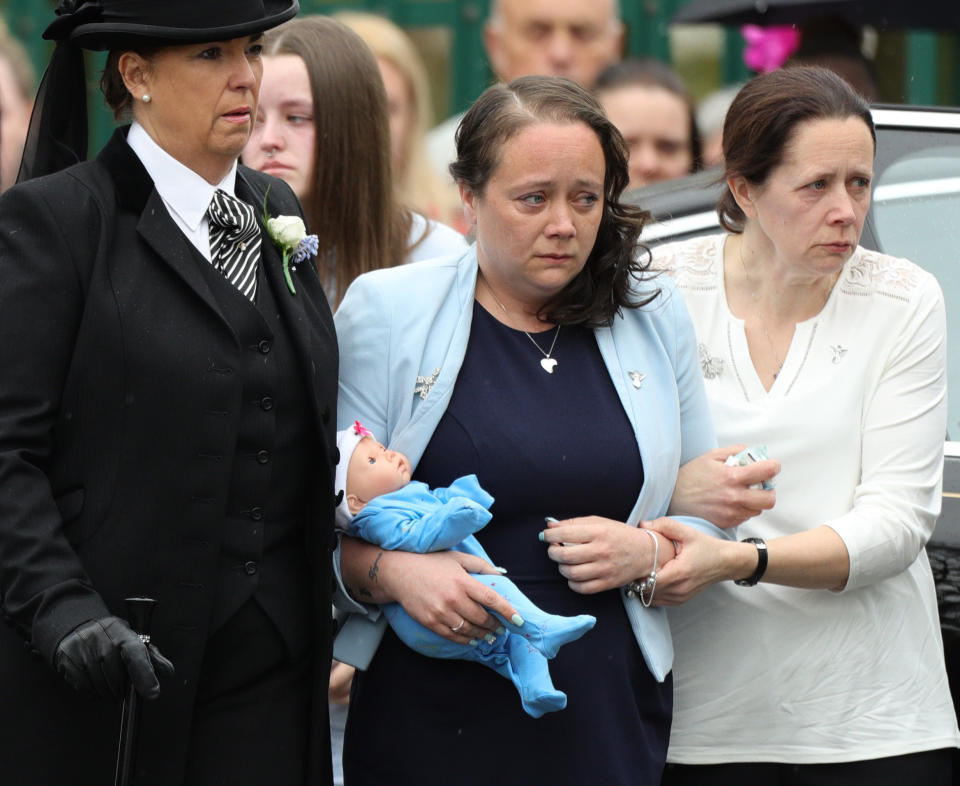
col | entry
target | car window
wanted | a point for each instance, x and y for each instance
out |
(916, 214)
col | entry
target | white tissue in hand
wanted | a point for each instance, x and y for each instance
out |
(744, 457)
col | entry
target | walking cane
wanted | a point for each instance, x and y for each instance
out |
(139, 611)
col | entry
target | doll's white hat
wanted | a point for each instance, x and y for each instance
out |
(347, 441)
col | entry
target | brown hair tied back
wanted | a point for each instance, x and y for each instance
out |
(764, 116)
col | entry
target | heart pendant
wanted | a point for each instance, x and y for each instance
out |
(548, 364)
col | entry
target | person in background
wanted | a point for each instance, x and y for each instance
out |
(166, 419)
(810, 652)
(544, 361)
(648, 102)
(410, 108)
(337, 160)
(17, 82)
(711, 112)
(832, 42)
(576, 39)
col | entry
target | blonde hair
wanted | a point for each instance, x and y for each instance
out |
(418, 186)
(14, 52)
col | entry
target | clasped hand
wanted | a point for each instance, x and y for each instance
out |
(593, 553)
(597, 554)
(97, 655)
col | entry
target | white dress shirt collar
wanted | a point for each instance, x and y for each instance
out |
(184, 192)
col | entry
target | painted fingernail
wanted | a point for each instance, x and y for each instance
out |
(473, 642)
(542, 538)
(501, 630)
(550, 520)
(489, 638)
(517, 620)
(498, 568)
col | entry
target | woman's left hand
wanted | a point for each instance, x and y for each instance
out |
(597, 554)
(706, 487)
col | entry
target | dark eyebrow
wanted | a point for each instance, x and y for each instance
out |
(539, 184)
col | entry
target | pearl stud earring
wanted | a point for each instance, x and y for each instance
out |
(146, 98)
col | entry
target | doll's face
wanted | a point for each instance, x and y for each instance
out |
(374, 470)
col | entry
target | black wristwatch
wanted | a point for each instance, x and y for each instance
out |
(761, 563)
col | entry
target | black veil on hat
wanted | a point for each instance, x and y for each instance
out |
(57, 136)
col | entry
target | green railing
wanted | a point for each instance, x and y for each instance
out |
(916, 67)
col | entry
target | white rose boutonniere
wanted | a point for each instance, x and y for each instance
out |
(287, 230)
(290, 235)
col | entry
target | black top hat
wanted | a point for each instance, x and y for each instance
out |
(111, 24)
(57, 136)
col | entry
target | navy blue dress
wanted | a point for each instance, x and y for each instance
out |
(543, 445)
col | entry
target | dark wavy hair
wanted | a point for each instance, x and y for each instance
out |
(763, 117)
(608, 281)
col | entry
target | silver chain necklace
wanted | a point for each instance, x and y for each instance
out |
(755, 295)
(547, 363)
(763, 323)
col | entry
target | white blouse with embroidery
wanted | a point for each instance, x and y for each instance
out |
(857, 418)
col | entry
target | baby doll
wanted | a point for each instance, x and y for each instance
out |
(381, 505)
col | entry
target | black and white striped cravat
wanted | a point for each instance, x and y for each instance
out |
(234, 241)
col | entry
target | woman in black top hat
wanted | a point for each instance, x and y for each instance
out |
(169, 378)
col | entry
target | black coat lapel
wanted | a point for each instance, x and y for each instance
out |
(137, 195)
(292, 306)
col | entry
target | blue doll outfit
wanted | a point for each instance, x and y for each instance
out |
(417, 518)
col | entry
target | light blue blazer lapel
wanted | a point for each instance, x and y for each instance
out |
(638, 353)
(445, 349)
(631, 349)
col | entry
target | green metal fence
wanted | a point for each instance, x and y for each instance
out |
(915, 67)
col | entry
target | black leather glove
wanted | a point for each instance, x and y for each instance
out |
(97, 655)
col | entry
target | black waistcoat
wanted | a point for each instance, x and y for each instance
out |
(262, 553)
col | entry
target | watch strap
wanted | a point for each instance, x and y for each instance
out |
(752, 580)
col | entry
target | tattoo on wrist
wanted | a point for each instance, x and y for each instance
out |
(359, 592)
(375, 568)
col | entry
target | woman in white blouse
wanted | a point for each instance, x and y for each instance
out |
(826, 664)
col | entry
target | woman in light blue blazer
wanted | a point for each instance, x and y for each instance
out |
(546, 361)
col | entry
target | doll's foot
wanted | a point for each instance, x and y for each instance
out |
(537, 703)
(546, 632)
(549, 632)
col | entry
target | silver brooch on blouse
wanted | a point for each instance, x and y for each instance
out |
(425, 384)
(838, 353)
(636, 378)
(711, 367)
